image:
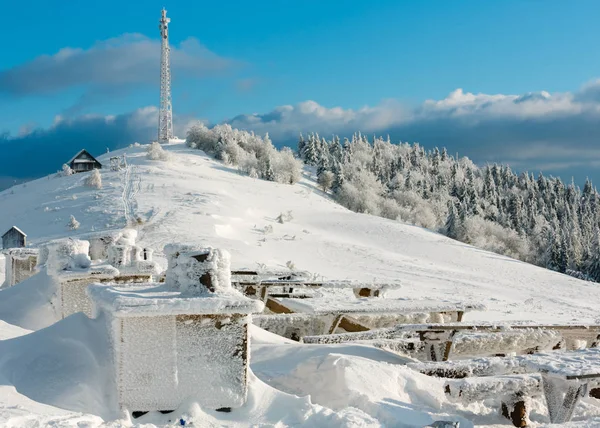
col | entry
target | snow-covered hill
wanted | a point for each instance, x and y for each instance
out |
(192, 198)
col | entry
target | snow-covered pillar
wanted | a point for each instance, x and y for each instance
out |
(148, 253)
(198, 270)
(119, 255)
(186, 338)
(20, 265)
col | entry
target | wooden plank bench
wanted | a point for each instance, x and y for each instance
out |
(302, 288)
(566, 375)
(364, 314)
(479, 339)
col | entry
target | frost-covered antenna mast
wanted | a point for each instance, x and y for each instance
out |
(165, 114)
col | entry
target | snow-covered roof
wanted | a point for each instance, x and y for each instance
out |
(79, 154)
(17, 229)
(150, 299)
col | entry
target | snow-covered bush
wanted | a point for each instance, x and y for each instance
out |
(73, 223)
(94, 179)
(253, 155)
(202, 138)
(66, 170)
(156, 152)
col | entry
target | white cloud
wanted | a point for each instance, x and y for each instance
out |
(531, 131)
(108, 67)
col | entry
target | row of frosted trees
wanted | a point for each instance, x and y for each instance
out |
(540, 220)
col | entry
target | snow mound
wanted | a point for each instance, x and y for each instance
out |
(31, 304)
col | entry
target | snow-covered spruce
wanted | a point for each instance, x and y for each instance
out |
(94, 180)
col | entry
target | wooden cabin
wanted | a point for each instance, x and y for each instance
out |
(83, 162)
(14, 238)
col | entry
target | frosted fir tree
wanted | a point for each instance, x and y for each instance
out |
(268, 173)
(301, 146)
(73, 223)
(592, 264)
(451, 226)
(311, 151)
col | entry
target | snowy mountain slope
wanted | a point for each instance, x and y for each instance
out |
(192, 198)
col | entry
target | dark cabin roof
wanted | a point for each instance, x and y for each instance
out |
(15, 228)
(81, 152)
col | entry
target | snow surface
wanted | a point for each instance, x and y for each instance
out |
(153, 299)
(194, 199)
(57, 375)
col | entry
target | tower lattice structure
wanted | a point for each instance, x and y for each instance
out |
(165, 114)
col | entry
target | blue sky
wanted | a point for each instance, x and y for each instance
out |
(238, 58)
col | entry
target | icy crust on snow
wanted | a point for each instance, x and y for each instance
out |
(481, 388)
(369, 305)
(150, 299)
(487, 343)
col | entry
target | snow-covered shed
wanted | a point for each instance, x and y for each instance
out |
(14, 238)
(20, 264)
(187, 338)
(83, 161)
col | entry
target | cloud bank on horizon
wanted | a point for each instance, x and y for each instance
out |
(556, 133)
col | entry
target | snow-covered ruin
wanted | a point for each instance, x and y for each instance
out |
(75, 264)
(20, 264)
(187, 337)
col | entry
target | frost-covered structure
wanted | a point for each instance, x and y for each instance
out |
(20, 264)
(187, 338)
(69, 263)
(14, 238)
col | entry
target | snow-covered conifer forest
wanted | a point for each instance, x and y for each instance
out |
(537, 219)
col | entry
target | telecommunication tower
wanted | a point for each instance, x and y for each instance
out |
(165, 114)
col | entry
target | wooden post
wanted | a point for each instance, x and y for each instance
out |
(515, 410)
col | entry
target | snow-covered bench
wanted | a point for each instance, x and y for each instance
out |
(566, 376)
(299, 285)
(513, 392)
(356, 315)
(466, 339)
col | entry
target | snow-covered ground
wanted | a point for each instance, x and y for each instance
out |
(194, 199)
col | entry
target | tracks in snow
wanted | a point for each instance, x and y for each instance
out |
(132, 184)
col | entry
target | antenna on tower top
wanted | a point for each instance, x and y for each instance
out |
(165, 113)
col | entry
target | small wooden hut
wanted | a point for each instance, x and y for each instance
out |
(83, 161)
(14, 238)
